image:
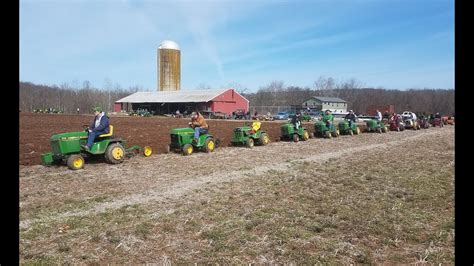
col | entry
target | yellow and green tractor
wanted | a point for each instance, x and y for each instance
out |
(68, 148)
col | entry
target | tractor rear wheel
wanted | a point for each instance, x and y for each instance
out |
(296, 138)
(114, 153)
(264, 139)
(188, 149)
(75, 162)
(305, 135)
(147, 151)
(250, 143)
(210, 145)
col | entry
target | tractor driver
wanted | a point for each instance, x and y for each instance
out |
(351, 117)
(99, 126)
(328, 118)
(296, 120)
(199, 124)
(379, 115)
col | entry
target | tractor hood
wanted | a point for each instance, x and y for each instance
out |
(244, 128)
(182, 131)
(69, 136)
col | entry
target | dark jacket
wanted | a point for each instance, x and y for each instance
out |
(351, 117)
(295, 119)
(103, 127)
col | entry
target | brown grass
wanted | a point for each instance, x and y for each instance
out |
(390, 204)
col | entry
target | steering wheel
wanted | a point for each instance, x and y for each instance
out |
(85, 127)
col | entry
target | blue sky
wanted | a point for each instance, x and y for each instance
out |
(395, 44)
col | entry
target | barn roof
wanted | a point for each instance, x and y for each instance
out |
(329, 99)
(196, 96)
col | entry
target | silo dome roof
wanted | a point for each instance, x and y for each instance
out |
(169, 45)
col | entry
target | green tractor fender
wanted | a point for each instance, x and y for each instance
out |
(100, 147)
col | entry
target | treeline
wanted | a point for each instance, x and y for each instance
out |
(68, 98)
(359, 99)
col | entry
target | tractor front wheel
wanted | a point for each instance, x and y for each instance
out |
(187, 149)
(75, 162)
(379, 130)
(357, 131)
(351, 132)
(210, 145)
(328, 134)
(296, 138)
(305, 135)
(250, 143)
(114, 153)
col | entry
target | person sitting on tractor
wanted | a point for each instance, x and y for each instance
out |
(351, 117)
(199, 124)
(99, 126)
(379, 115)
(328, 118)
(396, 117)
(255, 127)
(296, 120)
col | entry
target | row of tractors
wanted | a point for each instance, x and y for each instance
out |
(67, 148)
(400, 123)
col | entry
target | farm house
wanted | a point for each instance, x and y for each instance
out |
(167, 102)
(323, 103)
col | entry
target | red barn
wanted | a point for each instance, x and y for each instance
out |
(372, 110)
(168, 102)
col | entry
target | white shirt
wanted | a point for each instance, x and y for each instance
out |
(379, 116)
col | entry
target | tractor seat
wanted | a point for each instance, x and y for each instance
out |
(111, 131)
(256, 126)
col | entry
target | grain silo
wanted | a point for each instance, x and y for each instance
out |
(169, 66)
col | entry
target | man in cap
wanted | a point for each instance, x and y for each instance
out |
(99, 126)
(351, 117)
(199, 124)
(296, 120)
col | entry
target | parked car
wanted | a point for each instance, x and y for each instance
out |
(281, 116)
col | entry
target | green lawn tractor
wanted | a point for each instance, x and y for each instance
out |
(289, 131)
(322, 130)
(345, 129)
(249, 137)
(67, 149)
(375, 125)
(182, 141)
